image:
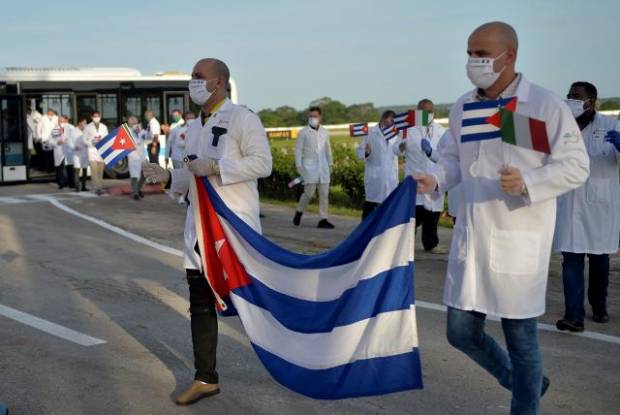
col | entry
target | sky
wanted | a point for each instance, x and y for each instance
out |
(291, 52)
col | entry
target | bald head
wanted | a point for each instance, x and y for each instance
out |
(211, 68)
(500, 32)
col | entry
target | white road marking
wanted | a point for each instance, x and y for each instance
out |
(422, 304)
(49, 327)
(42, 197)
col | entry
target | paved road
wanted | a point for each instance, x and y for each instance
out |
(131, 299)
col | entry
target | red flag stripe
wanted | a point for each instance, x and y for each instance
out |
(538, 132)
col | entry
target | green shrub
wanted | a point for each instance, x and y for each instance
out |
(347, 176)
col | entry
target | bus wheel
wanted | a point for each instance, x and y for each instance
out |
(119, 171)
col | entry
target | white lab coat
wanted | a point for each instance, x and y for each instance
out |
(63, 145)
(175, 142)
(92, 134)
(245, 157)
(138, 156)
(313, 155)
(80, 149)
(32, 119)
(501, 244)
(44, 130)
(380, 167)
(152, 129)
(418, 162)
(588, 218)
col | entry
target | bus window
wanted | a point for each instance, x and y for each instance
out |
(86, 105)
(131, 106)
(11, 133)
(61, 103)
(174, 102)
(109, 110)
(153, 103)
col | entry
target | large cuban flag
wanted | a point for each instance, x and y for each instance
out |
(334, 325)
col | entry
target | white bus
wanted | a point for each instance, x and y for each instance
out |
(116, 93)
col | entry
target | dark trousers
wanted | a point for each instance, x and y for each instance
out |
(80, 176)
(573, 277)
(429, 221)
(70, 175)
(153, 158)
(204, 326)
(367, 208)
(61, 177)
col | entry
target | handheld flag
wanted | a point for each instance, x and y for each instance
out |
(358, 130)
(412, 118)
(334, 325)
(116, 145)
(521, 131)
(475, 126)
(389, 132)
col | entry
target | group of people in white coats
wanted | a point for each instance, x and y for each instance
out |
(380, 151)
(499, 258)
(68, 145)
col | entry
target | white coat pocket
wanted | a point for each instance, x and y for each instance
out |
(515, 252)
(598, 191)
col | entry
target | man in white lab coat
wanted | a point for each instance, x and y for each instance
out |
(314, 162)
(136, 158)
(175, 142)
(588, 220)
(93, 133)
(44, 132)
(501, 245)
(62, 140)
(240, 157)
(420, 149)
(153, 131)
(380, 163)
(80, 155)
(176, 116)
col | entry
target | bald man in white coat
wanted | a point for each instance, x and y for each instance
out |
(501, 246)
(244, 156)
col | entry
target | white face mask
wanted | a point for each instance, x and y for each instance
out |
(96, 120)
(576, 106)
(198, 91)
(481, 73)
(313, 121)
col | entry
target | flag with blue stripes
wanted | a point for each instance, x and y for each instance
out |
(116, 145)
(475, 126)
(389, 132)
(334, 325)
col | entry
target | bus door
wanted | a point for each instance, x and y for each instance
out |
(174, 100)
(13, 140)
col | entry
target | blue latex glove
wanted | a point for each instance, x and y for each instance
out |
(426, 147)
(613, 137)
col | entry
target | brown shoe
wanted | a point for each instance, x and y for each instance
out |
(196, 391)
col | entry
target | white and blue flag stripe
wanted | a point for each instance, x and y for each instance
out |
(474, 126)
(337, 324)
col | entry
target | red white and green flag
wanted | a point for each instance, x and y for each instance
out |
(521, 130)
(412, 118)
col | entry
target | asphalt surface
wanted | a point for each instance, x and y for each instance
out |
(69, 271)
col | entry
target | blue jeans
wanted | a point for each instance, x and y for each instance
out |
(598, 279)
(518, 370)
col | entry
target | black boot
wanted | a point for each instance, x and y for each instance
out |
(297, 218)
(325, 224)
(570, 325)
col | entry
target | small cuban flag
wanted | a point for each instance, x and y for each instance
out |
(475, 126)
(116, 145)
(412, 118)
(389, 132)
(358, 130)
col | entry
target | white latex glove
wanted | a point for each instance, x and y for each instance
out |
(154, 173)
(208, 167)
